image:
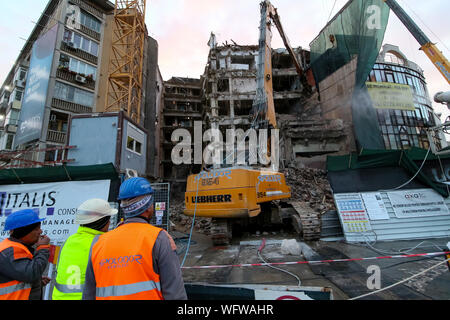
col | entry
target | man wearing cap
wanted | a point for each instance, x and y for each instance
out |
(93, 216)
(21, 265)
(136, 261)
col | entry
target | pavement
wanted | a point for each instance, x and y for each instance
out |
(346, 279)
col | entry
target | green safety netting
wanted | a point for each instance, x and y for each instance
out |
(389, 158)
(58, 174)
(357, 30)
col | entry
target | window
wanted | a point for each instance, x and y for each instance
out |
(18, 95)
(390, 77)
(80, 67)
(81, 42)
(134, 145)
(72, 94)
(12, 117)
(21, 74)
(394, 58)
(90, 22)
(9, 142)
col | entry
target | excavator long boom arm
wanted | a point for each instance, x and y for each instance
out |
(430, 49)
(264, 102)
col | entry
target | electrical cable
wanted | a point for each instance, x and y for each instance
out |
(410, 180)
(402, 281)
(400, 251)
(418, 17)
(192, 227)
(335, 1)
(279, 269)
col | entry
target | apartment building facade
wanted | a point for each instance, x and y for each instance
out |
(63, 71)
(182, 107)
(62, 59)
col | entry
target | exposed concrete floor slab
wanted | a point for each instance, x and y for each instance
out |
(346, 279)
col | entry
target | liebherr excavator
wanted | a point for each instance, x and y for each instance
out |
(241, 192)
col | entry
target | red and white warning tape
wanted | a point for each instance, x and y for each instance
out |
(319, 261)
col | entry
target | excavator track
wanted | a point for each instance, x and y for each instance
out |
(306, 221)
(221, 231)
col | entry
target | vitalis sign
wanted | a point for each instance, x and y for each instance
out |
(57, 202)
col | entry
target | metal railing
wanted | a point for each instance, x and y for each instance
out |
(70, 106)
(56, 136)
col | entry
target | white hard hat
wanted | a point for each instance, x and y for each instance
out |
(93, 210)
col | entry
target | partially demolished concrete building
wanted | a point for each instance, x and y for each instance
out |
(182, 107)
(230, 88)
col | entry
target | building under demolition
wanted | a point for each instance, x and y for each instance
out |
(182, 107)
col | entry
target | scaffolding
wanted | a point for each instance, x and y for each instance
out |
(24, 158)
(125, 78)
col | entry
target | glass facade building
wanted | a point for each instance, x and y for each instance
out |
(403, 129)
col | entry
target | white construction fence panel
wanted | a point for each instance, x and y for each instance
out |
(393, 215)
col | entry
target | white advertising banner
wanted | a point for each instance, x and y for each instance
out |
(56, 202)
(417, 203)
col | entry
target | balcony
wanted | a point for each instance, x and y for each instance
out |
(11, 127)
(70, 106)
(56, 136)
(83, 5)
(79, 53)
(66, 74)
(90, 32)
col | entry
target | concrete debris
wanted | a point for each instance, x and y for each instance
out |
(183, 223)
(310, 186)
(291, 247)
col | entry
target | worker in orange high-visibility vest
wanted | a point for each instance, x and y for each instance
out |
(21, 265)
(136, 261)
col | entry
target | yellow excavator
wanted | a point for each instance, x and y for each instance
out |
(244, 192)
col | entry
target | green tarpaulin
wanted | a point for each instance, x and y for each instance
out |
(58, 174)
(389, 158)
(357, 30)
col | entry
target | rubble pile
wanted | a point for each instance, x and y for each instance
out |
(311, 186)
(183, 223)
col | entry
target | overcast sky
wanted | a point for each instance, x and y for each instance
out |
(182, 29)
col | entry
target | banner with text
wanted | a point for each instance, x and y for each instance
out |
(386, 95)
(33, 105)
(417, 203)
(56, 202)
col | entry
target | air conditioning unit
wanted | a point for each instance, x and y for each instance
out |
(11, 128)
(80, 79)
(131, 173)
(19, 83)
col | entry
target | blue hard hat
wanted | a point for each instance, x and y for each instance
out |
(21, 219)
(134, 187)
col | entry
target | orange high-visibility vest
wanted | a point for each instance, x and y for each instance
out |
(15, 290)
(122, 261)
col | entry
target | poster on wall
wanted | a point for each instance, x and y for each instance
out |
(417, 203)
(375, 206)
(35, 96)
(56, 202)
(352, 213)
